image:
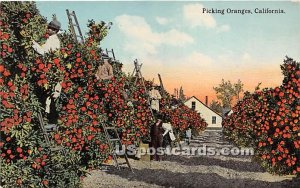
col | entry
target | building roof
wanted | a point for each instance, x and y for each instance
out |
(228, 112)
(203, 104)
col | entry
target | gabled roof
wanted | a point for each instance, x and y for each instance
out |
(203, 104)
(227, 113)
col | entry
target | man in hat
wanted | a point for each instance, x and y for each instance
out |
(155, 97)
(52, 42)
(105, 70)
(156, 134)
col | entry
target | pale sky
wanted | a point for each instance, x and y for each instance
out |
(192, 49)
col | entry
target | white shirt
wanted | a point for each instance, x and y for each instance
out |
(48, 102)
(56, 94)
(52, 44)
(154, 94)
(57, 90)
(168, 129)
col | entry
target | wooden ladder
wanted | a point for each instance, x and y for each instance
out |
(138, 75)
(162, 86)
(113, 142)
(46, 130)
(112, 52)
(74, 25)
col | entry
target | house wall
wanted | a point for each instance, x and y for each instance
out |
(205, 113)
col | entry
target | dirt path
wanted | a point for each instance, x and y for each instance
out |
(192, 171)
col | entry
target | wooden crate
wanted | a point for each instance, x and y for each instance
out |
(147, 156)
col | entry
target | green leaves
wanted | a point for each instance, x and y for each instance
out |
(226, 91)
(98, 31)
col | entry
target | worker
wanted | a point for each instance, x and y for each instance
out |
(52, 43)
(125, 93)
(156, 134)
(188, 135)
(105, 70)
(168, 131)
(155, 97)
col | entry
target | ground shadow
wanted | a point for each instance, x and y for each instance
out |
(239, 166)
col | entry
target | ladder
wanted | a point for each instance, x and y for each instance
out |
(114, 141)
(112, 52)
(73, 25)
(46, 129)
(60, 150)
(161, 86)
(138, 75)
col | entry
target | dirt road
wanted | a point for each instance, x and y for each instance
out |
(193, 171)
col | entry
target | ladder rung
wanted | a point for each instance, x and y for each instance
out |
(114, 139)
(50, 127)
(50, 130)
(74, 25)
(109, 127)
(56, 149)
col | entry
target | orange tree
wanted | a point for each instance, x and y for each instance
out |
(25, 158)
(85, 103)
(268, 121)
(181, 117)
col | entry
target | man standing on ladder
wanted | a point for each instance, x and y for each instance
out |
(155, 97)
(105, 70)
(52, 44)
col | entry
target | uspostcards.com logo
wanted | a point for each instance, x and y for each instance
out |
(204, 150)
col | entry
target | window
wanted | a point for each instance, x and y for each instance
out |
(193, 105)
(214, 119)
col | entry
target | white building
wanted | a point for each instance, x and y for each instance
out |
(213, 119)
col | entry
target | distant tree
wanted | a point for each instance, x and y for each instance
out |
(238, 87)
(225, 93)
(216, 106)
(181, 95)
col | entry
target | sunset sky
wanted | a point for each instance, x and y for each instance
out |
(192, 49)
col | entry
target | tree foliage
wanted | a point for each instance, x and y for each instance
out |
(238, 88)
(84, 106)
(216, 106)
(268, 120)
(226, 91)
